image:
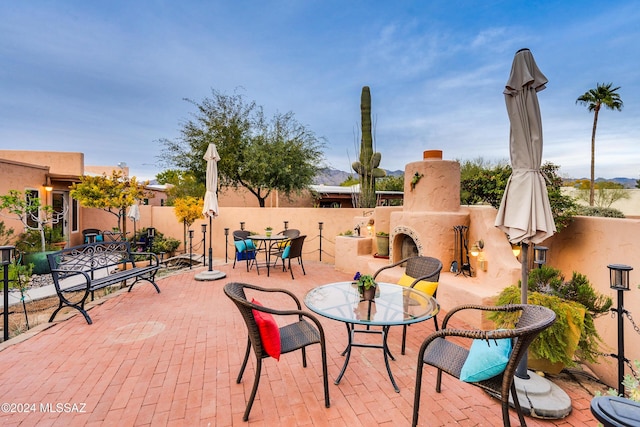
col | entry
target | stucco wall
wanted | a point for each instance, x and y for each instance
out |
(62, 163)
(335, 221)
(587, 246)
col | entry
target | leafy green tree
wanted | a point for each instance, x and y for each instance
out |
(594, 99)
(258, 154)
(29, 211)
(606, 194)
(390, 183)
(484, 183)
(180, 184)
(113, 194)
(351, 180)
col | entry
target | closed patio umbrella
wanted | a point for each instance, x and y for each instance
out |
(134, 214)
(525, 213)
(210, 208)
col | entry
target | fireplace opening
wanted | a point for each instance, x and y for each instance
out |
(408, 248)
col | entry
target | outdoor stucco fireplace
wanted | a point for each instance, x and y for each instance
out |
(430, 210)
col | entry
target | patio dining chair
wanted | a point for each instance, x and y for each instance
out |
(269, 340)
(279, 245)
(293, 249)
(245, 249)
(490, 361)
(422, 273)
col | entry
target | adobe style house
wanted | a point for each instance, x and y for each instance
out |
(49, 175)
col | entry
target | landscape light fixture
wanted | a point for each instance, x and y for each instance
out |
(190, 249)
(5, 260)
(242, 225)
(226, 246)
(540, 255)
(286, 225)
(204, 243)
(619, 280)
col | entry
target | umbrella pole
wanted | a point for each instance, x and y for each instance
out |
(210, 247)
(521, 370)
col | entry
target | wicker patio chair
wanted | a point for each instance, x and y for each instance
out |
(306, 330)
(279, 245)
(449, 357)
(295, 251)
(419, 268)
(247, 254)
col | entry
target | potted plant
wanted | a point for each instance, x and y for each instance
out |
(366, 286)
(54, 238)
(576, 305)
(268, 231)
(382, 242)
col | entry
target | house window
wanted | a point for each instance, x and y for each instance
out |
(32, 219)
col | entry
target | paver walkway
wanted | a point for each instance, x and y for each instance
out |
(172, 358)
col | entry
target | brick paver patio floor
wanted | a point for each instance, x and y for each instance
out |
(172, 359)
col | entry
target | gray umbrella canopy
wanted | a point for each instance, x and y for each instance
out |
(525, 214)
(210, 208)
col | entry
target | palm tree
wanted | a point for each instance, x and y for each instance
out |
(594, 99)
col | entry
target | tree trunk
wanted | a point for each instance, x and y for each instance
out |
(593, 156)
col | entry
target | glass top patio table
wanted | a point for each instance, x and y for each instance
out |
(393, 304)
(265, 245)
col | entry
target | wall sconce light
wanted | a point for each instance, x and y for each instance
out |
(515, 248)
(619, 276)
(370, 227)
(540, 255)
(47, 185)
(476, 248)
(476, 251)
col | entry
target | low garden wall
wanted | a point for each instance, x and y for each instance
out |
(587, 246)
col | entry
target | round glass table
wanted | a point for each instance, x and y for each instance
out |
(393, 305)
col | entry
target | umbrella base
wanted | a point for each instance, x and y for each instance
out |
(210, 275)
(540, 398)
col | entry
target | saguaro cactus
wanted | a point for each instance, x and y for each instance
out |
(367, 167)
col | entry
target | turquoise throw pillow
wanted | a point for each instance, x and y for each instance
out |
(245, 245)
(285, 253)
(486, 359)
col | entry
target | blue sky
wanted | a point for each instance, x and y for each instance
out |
(109, 78)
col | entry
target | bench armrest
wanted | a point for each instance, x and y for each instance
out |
(153, 258)
(67, 274)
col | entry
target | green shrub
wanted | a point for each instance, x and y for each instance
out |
(548, 288)
(598, 211)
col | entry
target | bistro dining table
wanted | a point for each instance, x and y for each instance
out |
(393, 305)
(265, 244)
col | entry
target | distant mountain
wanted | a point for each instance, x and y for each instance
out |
(329, 176)
(626, 182)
